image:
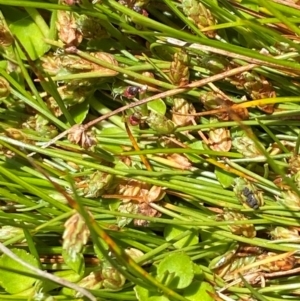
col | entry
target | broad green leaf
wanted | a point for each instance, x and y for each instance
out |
(157, 106)
(198, 291)
(67, 275)
(177, 270)
(172, 231)
(158, 298)
(225, 178)
(143, 294)
(74, 262)
(27, 32)
(80, 111)
(14, 281)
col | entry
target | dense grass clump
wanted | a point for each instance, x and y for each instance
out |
(149, 150)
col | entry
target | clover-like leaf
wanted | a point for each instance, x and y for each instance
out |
(176, 270)
(13, 275)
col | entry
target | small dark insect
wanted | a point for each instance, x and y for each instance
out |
(250, 198)
(131, 91)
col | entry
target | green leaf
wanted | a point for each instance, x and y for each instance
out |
(12, 276)
(198, 291)
(172, 231)
(177, 270)
(198, 273)
(80, 111)
(157, 106)
(158, 298)
(251, 5)
(225, 178)
(74, 262)
(27, 32)
(195, 158)
(143, 294)
(67, 275)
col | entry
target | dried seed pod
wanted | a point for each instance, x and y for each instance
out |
(91, 281)
(180, 161)
(257, 87)
(8, 232)
(15, 134)
(199, 15)
(246, 147)
(247, 230)
(286, 233)
(212, 101)
(76, 235)
(182, 106)
(131, 188)
(249, 250)
(289, 198)
(146, 210)
(284, 264)
(67, 29)
(105, 276)
(136, 199)
(155, 194)
(79, 136)
(179, 70)
(4, 88)
(128, 207)
(112, 278)
(248, 194)
(219, 138)
(134, 253)
(6, 38)
(254, 84)
(294, 164)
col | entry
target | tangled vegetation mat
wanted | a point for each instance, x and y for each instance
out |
(149, 150)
